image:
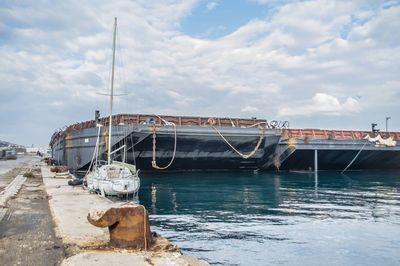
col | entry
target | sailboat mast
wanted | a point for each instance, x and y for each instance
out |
(111, 95)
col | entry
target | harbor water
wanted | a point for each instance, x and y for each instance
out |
(281, 218)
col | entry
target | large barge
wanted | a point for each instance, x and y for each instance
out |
(305, 149)
(170, 142)
(176, 143)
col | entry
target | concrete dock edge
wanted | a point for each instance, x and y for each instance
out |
(70, 206)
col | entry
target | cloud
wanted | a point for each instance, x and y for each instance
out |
(306, 57)
(211, 6)
(322, 103)
(179, 99)
(56, 103)
(250, 109)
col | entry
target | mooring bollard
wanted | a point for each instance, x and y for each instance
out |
(127, 223)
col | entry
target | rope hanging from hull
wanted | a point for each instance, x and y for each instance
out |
(154, 162)
(211, 121)
(355, 157)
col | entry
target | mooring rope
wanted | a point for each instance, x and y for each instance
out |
(259, 123)
(211, 121)
(154, 162)
(352, 161)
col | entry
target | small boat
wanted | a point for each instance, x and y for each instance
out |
(115, 179)
(112, 178)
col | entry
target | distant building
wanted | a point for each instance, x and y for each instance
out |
(32, 150)
(8, 153)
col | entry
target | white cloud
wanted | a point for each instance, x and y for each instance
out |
(320, 104)
(56, 103)
(211, 6)
(250, 109)
(380, 29)
(279, 65)
(179, 99)
(351, 105)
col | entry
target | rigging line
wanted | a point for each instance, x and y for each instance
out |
(108, 88)
(133, 149)
(352, 161)
(95, 152)
(109, 70)
(125, 141)
(120, 71)
(120, 60)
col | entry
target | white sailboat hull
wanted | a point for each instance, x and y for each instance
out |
(113, 180)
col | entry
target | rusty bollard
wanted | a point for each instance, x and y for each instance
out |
(127, 223)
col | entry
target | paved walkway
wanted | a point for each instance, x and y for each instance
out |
(70, 207)
(27, 234)
(47, 221)
(11, 178)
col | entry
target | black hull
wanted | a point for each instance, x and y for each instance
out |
(198, 148)
(201, 152)
(340, 159)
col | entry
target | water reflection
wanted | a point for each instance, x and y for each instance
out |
(247, 218)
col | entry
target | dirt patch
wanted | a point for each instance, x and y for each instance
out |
(27, 230)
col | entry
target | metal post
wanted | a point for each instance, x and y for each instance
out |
(316, 183)
(316, 160)
(374, 129)
(387, 121)
(316, 172)
(97, 116)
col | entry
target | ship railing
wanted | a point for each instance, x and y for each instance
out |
(332, 134)
(135, 119)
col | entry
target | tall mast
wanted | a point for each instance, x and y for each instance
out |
(111, 95)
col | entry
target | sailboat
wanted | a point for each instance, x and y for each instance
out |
(112, 178)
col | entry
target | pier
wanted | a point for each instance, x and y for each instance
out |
(46, 223)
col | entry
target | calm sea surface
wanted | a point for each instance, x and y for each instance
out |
(279, 218)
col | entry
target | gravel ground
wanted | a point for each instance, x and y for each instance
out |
(27, 230)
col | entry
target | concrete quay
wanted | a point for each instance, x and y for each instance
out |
(86, 243)
(43, 221)
(26, 226)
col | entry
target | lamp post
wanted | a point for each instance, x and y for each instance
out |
(387, 120)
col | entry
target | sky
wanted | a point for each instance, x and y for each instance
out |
(318, 64)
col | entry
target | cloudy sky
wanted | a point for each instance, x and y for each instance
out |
(318, 64)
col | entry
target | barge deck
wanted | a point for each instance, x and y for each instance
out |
(299, 149)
